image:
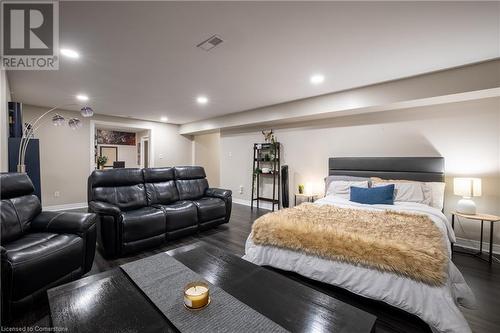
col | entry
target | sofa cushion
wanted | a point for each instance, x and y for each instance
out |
(16, 215)
(181, 214)
(189, 172)
(158, 175)
(37, 259)
(15, 185)
(210, 209)
(191, 189)
(190, 182)
(10, 226)
(124, 197)
(142, 223)
(116, 177)
(160, 186)
(123, 188)
(18, 205)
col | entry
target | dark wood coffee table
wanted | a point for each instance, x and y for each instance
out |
(110, 301)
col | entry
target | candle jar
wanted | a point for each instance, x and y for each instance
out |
(196, 295)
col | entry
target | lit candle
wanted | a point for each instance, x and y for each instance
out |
(196, 295)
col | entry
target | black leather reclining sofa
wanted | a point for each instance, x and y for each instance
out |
(141, 208)
(40, 250)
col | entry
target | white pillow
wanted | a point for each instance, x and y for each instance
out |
(342, 188)
(407, 191)
(436, 193)
(433, 191)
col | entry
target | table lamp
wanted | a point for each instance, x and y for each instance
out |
(467, 188)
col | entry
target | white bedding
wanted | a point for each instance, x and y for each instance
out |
(435, 305)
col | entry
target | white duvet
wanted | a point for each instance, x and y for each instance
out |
(437, 306)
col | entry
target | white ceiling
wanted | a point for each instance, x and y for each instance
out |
(140, 60)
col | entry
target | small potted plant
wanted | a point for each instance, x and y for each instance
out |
(301, 188)
(256, 172)
(101, 161)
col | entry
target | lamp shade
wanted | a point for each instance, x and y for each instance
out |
(74, 123)
(86, 112)
(58, 120)
(467, 187)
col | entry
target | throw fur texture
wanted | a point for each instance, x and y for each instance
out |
(401, 243)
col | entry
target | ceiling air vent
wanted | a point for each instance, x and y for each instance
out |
(210, 43)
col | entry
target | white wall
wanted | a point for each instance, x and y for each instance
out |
(4, 120)
(65, 153)
(466, 134)
(207, 154)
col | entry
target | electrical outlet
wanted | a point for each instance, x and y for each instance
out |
(230, 154)
(57, 194)
(241, 189)
(160, 156)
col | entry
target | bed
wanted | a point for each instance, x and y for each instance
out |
(436, 305)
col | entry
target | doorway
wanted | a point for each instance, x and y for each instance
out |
(123, 145)
(144, 152)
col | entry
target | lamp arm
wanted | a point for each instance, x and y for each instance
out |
(33, 122)
(26, 140)
(33, 131)
(29, 131)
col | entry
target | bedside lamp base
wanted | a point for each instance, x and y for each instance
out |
(466, 206)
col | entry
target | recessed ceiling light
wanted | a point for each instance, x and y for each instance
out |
(317, 79)
(70, 53)
(202, 100)
(82, 97)
(164, 119)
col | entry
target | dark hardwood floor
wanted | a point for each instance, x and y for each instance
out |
(483, 279)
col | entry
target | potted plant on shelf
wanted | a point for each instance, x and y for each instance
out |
(101, 161)
(256, 172)
(273, 147)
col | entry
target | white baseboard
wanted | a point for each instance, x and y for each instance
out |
(474, 245)
(262, 205)
(77, 205)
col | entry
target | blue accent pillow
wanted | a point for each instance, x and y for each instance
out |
(373, 195)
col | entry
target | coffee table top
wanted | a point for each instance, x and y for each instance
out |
(111, 302)
(105, 302)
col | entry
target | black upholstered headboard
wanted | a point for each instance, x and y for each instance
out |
(424, 169)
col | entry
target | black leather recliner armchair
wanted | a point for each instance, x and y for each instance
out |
(39, 249)
(138, 208)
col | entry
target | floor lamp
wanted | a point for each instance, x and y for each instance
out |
(58, 120)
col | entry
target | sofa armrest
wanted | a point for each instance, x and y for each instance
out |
(218, 193)
(63, 222)
(104, 208)
(225, 195)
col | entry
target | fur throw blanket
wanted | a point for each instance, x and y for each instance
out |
(401, 243)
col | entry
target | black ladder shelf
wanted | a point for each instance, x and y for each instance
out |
(266, 155)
